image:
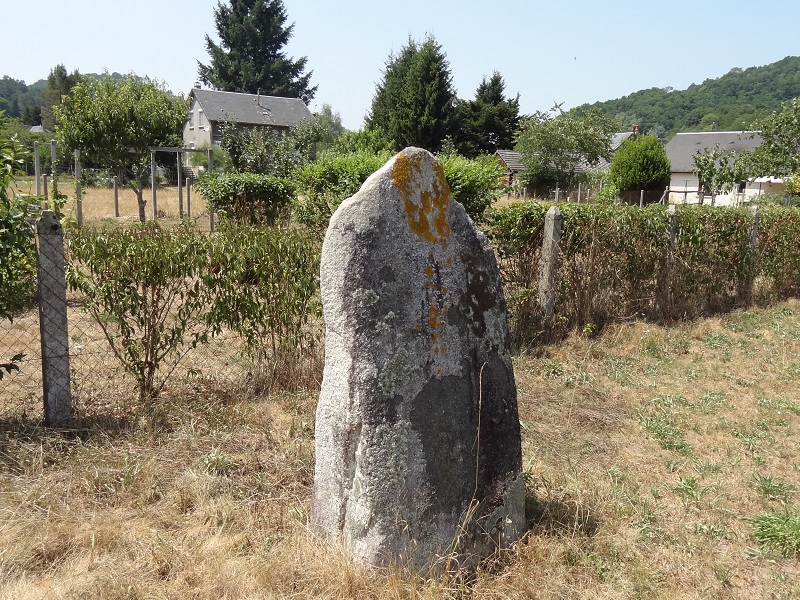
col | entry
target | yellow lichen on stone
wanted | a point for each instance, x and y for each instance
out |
(428, 219)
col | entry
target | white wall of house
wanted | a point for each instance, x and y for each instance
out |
(197, 130)
(683, 189)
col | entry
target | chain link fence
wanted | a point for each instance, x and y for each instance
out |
(98, 384)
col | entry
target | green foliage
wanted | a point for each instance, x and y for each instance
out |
(269, 152)
(59, 84)
(792, 184)
(779, 154)
(250, 56)
(265, 284)
(323, 185)
(487, 123)
(371, 140)
(731, 102)
(474, 183)
(330, 127)
(326, 183)
(220, 157)
(114, 122)
(142, 286)
(415, 102)
(17, 249)
(778, 251)
(246, 197)
(719, 171)
(555, 144)
(641, 163)
(778, 530)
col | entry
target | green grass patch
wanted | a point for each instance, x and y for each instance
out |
(778, 530)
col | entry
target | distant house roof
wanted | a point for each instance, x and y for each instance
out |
(251, 109)
(37, 129)
(682, 148)
(511, 159)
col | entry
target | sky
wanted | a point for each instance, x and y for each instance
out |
(569, 52)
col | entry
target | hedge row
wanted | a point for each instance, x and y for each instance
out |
(616, 262)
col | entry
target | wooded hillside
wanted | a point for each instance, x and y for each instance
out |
(732, 102)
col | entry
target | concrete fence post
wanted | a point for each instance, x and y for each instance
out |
(641, 198)
(37, 168)
(153, 183)
(189, 196)
(53, 320)
(180, 184)
(549, 261)
(753, 254)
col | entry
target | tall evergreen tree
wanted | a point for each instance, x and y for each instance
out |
(59, 84)
(415, 102)
(487, 123)
(249, 57)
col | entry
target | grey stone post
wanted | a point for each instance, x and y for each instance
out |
(180, 186)
(78, 191)
(753, 258)
(550, 260)
(53, 320)
(210, 161)
(153, 183)
(44, 188)
(641, 198)
(557, 192)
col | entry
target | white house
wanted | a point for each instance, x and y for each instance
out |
(684, 184)
(209, 109)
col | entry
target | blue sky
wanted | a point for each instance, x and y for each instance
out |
(568, 51)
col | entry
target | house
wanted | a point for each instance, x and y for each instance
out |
(512, 164)
(210, 109)
(684, 185)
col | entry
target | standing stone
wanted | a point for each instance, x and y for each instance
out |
(418, 453)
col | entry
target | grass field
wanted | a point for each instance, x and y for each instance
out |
(661, 462)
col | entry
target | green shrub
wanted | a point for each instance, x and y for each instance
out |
(265, 283)
(142, 286)
(326, 183)
(641, 163)
(246, 197)
(323, 185)
(778, 259)
(475, 183)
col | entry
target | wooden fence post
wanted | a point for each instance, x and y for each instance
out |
(549, 261)
(153, 183)
(53, 320)
(180, 185)
(78, 190)
(665, 297)
(116, 196)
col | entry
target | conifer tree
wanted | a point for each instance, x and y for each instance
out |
(249, 57)
(487, 123)
(415, 102)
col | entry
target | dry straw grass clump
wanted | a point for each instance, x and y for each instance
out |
(651, 455)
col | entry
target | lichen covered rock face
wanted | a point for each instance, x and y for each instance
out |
(417, 439)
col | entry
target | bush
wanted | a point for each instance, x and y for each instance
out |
(142, 286)
(475, 183)
(641, 163)
(778, 259)
(325, 184)
(265, 283)
(246, 197)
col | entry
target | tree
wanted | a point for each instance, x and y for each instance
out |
(330, 126)
(554, 144)
(641, 163)
(718, 171)
(779, 154)
(487, 123)
(249, 58)
(115, 122)
(415, 102)
(59, 84)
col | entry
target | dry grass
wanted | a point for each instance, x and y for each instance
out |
(646, 450)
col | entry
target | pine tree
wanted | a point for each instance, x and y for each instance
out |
(487, 123)
(415, 102)
(59, 84)
(249, 57)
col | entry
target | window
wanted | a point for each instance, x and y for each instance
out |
(200, 118)
(191, 118)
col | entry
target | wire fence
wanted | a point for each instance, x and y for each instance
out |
(99, 385)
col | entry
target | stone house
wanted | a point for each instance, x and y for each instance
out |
(210, 109)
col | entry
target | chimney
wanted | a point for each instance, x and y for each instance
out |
(714, 126)
(635, 129)
(197, 85)
(258, 96)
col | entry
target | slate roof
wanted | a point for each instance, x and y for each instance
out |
(512, 160)
(251, 109)
(682, 148)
